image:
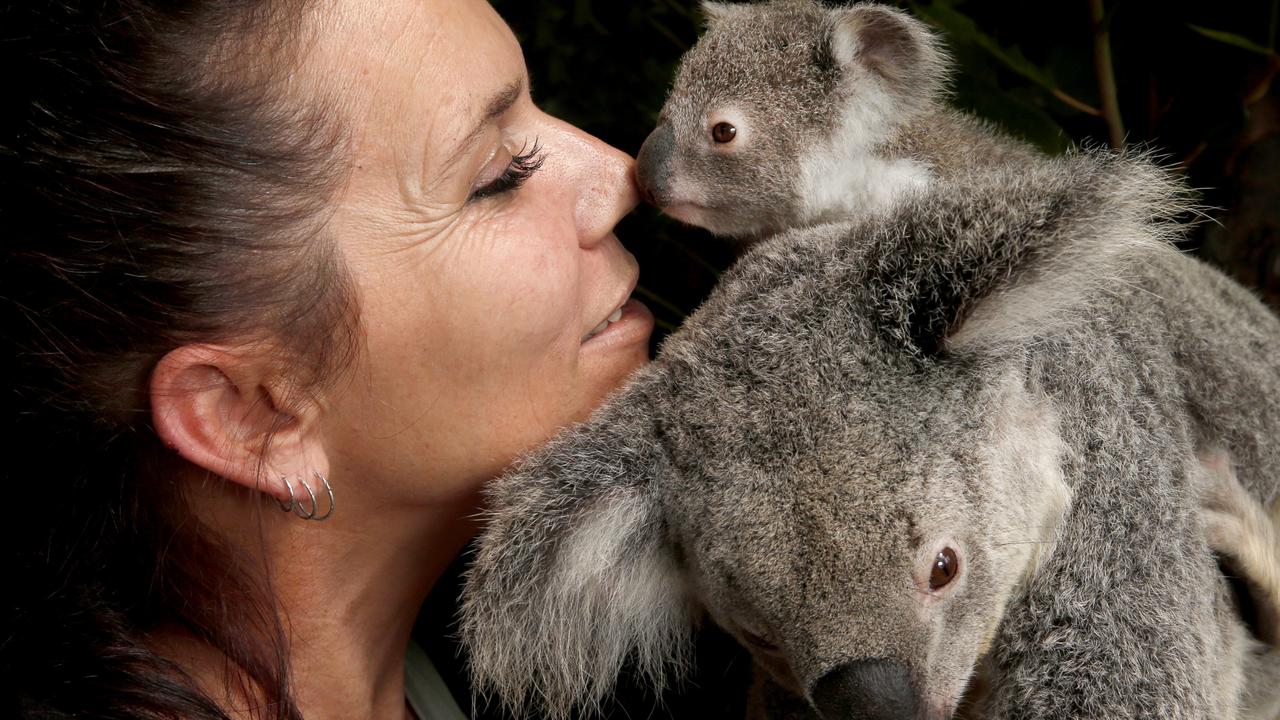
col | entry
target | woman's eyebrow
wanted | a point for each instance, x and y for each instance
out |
(498, 104)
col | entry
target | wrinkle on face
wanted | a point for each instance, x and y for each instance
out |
(473, 312)
(398, 112)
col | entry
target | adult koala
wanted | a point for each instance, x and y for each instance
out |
(956, 444)
(889, 457)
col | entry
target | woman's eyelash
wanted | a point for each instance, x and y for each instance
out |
(522, 167)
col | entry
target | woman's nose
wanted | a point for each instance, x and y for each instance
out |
(606, 189)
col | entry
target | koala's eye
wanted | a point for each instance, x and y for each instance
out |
(724, 133)
(944, 569)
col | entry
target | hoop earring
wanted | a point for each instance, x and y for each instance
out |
(295, 505)
(297, 509)
(288, 486)
(329, 491)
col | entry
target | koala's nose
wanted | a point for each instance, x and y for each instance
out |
(653, 166)
(866, 690)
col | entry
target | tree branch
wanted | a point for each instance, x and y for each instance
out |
(1106, 73)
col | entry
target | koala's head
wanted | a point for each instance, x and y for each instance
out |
(778, 116)
(863, 543)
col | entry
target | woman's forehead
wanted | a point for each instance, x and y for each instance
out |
(414, 70)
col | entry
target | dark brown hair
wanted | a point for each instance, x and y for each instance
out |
(155, 190)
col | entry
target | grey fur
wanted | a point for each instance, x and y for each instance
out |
(800, 444)
(1009, 360)
(842, 97)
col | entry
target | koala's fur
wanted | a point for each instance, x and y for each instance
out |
(994, 351)
(1017, 366)
(839, 113)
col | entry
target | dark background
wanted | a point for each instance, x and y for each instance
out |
(1194, 81)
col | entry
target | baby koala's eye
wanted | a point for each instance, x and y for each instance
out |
(724, 133)
(944, 569)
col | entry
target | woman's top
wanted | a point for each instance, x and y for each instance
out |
(425, 690)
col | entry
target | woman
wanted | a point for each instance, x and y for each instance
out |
(319, 255)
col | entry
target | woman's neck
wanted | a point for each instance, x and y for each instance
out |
(348, 591)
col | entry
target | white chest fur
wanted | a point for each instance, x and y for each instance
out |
(854, 185)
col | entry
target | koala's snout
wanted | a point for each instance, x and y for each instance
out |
(653, 165)
(866, 690)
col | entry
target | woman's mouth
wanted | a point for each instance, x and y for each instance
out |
(631, 318)
(614, 317)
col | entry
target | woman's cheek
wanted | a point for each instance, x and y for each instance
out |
(538, 278)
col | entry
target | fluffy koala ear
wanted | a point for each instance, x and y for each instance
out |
(890, 44)
(574, 576)
(713, 12)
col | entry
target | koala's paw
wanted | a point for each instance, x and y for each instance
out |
(1245, 535)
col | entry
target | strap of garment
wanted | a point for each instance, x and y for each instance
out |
(425, 690)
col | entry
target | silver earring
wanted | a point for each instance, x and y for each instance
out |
(297, 508)
(328, 489)
(288, 486)
(315, 504)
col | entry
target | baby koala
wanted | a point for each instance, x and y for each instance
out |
(789, 114)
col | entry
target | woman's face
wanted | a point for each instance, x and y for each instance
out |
(479, 234)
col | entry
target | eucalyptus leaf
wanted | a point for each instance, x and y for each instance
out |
(1239, 41)
(962, 28)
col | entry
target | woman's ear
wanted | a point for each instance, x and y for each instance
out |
(224, 410)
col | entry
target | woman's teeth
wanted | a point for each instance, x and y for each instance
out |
(614, 317)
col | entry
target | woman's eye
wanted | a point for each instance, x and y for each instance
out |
(510, 176)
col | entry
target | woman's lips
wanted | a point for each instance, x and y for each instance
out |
(614, 317)
(632, 319)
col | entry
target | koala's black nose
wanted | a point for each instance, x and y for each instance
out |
(866, 690)
(653, 166)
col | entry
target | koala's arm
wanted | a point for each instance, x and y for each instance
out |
(1246, 535)
(571, 579)
(1128, 617)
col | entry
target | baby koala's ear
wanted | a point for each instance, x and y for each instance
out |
(889, 43)
(713, 12)
(574, 575)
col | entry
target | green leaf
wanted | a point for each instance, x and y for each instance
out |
(961, 27)
(1019, 111)
(583, 17)
(1239, 41)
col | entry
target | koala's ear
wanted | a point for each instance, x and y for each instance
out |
(889, 43)
(713, 12)
(574, 575)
